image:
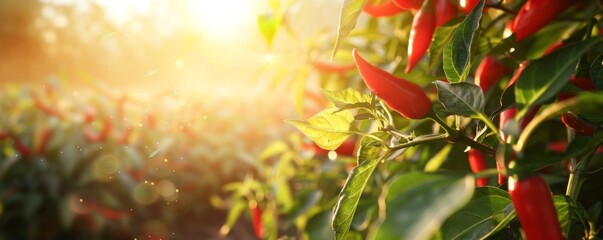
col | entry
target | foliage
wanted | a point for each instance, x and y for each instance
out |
(102, 165)
(411, 179)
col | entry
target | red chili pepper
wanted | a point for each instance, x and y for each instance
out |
(477, 162)
(3, 135)
(489, 72)
(112, 214)
(94, 137)
(106, 130)
(386, 9)
(421, 32)
(22, 148)
(89, 115)
(504, 117)
(399, 94)
(444, 11)
(150, 120)
(558, 147)
(408, 4)
(534, 207)
(326, 67)
(581, 127)
(584, 83)
(256, 219)
(44, 139)
(553, 48)
(535, 14)
(44, 107)
(125, 137)
(468, 5)
(348, 148)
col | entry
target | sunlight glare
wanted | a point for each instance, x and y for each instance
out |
(223, 19)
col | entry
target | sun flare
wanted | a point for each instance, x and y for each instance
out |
(223, 19)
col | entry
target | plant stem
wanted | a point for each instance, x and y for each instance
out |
(420, 140)
(369, 135)
(486, 173)
(491, 126)
(456, 136)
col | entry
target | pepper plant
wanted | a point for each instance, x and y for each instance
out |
(436, 127)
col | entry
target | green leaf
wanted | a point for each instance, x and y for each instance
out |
(463, 99)
(596, 72)
(441, 36)
(543, 78)
(565, 208)
(594, 211)
(370, 148)
(347, 20)
(346, 97)
(268, 25)
(419, 203)
(580, 146)
(233, 214)
(328, 128)
(457, 52)
(436, 161)
(489, 211)
(318, 226)
(275, 148)
(586, 102)
(305, 200)
(350, 195)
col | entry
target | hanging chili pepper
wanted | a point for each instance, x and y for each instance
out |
(468, 5)
(3, 135)
(22, 148)
(489, 72)
(402, 96)
(477, 162)
(421, 32)
(256, 219)
(444, 11)
(347, 148)
(386, 9)
(535, 14)
(408, 4)
(44, 139)
(583, 82)
(582, 128)
(534, 207)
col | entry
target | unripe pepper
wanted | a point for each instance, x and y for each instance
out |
(534, 207)
(402, 96)
(386, 9)
(489, 72)
(535, 14)
(477, 162)
(582, 128)
(421, 32)
(408, 4)
(444, 11)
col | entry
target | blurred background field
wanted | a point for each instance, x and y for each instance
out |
(129, 119)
